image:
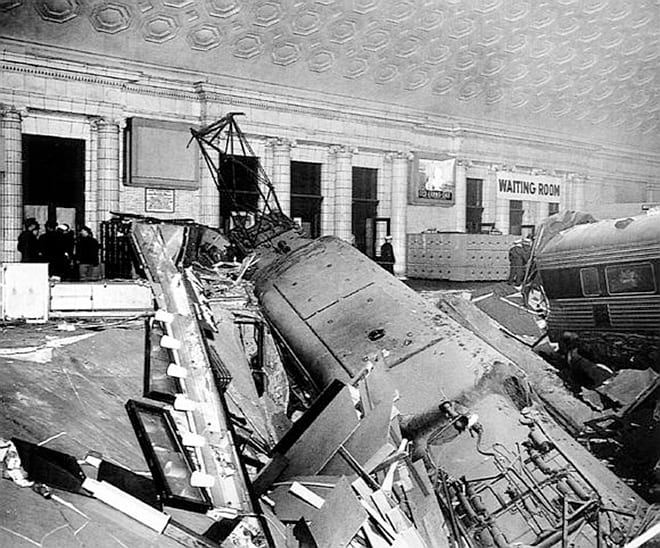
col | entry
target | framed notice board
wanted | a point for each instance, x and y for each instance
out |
(158, 200)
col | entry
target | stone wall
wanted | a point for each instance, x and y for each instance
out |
(58, 94)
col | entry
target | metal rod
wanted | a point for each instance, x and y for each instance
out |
(564, 523)
(450, 509)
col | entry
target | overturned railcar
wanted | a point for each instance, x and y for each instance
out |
(502, 469)
(602, 283)
(343, 315)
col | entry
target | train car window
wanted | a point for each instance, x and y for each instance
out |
(590, 282)
(630, 278)
(562, 283)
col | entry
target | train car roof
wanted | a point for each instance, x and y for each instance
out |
(608, 234)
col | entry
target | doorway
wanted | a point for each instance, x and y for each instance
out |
(365, 206)
(239, 194)
(306, 197)
(54, 179)
(474, 206)
(516, 213)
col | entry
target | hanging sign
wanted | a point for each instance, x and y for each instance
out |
(434, 181)
(533, 188)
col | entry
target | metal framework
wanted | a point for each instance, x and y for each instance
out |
(224, 143)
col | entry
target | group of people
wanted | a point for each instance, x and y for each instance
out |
(68, 257)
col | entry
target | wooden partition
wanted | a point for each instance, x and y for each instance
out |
(458, 256)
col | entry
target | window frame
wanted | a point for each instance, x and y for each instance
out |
(582, 284)
(653, 279)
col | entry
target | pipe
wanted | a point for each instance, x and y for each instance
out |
(540, 440)
(475, 499)
(465, 504)
(644, 537)
(574, 521)
(498, 536)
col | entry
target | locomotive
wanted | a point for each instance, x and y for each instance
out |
(503, 470)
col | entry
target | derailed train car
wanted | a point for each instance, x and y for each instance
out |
(602, 284)
(504, 472)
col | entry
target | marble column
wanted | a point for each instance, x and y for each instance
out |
(91, 186)
(579, 196)
(399, 227)
(328, 175)
(541, 212)
(282, 174)
(209, 196)
(566, 198)
(502, 212)
(107, 168)
(11, 185)
(490, 199)
(649, 195)
(460, 192)
(344, 194)
(385, 187)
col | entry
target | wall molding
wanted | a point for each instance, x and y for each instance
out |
(463, 136)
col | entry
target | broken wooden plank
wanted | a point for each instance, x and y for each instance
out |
(426, 512)
(339, 519)
(290, 508)
(307, 495)
(369, 444)
(329, 428)
(268, 474)
(629, 387)
(374, 539)
(398, 520)
(409, 538)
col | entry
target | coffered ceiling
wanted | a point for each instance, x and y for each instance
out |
(588, 69)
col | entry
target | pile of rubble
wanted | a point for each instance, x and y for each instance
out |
(244, 449)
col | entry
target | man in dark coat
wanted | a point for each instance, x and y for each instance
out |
(516, 263)
(52, 250)
(518, 257)
(387, 259)
(67, 240)
(87, 255)
(28, 243)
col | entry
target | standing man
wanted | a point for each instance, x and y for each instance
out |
(51, 248)
(67, 240)
(28, 243)
(516, 264)
(387, 259)
(88, 255)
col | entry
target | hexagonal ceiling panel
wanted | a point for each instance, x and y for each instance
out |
(584, 68)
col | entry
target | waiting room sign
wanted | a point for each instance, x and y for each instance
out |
(534, 188)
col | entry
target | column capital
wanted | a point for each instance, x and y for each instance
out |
(280, 143)
(11, 112)
(399, 155)
(107, 123)
(577, 177)
(344, 151)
